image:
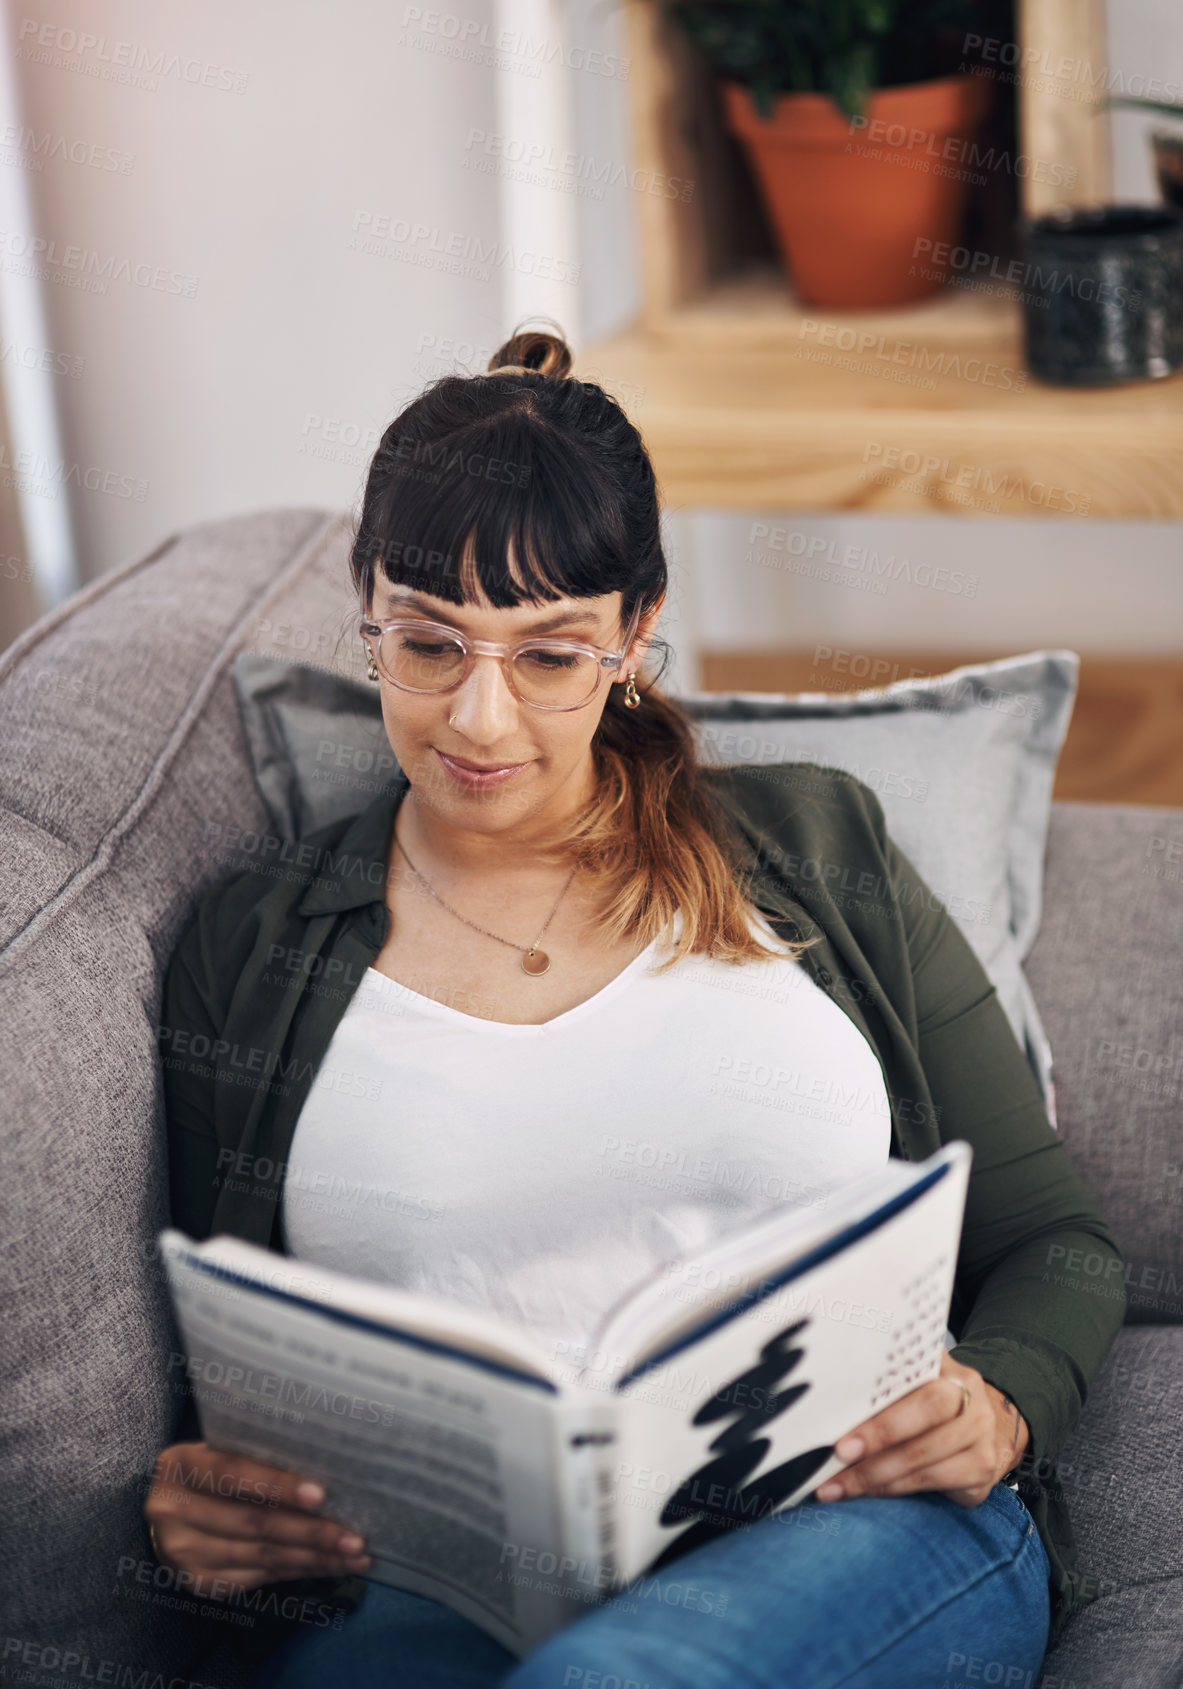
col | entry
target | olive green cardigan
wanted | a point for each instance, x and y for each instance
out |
(259, 982)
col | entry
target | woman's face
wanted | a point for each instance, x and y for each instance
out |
(481, 725)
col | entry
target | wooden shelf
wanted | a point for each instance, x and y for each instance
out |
(747, 400)
(756, 307)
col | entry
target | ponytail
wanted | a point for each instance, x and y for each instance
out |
(655, 838)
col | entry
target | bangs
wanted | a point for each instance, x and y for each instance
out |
(501, 508)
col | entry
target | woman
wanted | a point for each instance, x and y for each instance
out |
(570, 936)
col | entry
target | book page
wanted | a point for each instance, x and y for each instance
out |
(689, 1289)
(445, 1463)
(739, 1421)
(466, 1328)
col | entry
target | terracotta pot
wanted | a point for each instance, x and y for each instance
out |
(863, 209)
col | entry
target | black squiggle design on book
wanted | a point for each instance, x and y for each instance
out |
(711, 1495)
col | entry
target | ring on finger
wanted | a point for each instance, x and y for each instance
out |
(964, 1399)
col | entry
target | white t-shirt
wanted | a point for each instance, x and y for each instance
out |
(538, 1172)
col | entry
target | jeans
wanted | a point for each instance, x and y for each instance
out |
(874, 1592)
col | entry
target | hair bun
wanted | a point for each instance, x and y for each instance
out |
(533, 350)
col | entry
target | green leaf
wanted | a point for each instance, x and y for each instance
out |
(1172, 108)
(844, 48)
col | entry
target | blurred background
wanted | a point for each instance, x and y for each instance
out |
(235, 240)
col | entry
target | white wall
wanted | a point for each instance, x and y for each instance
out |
(203, 404)
(207, 399)
(1146, 58)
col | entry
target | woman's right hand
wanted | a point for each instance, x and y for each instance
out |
(226, 1517)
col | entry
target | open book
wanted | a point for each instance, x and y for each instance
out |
(518, 1487)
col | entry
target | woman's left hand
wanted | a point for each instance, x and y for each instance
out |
(923, 1442)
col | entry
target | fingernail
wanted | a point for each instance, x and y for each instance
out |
(829, 1492)
(311, 1495)
(850, 1448)
(350, 1544)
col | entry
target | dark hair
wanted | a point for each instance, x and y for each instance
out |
(531, 458)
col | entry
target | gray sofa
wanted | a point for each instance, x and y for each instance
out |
(123, 765)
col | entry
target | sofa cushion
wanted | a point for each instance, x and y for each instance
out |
(125, 767)
(1122, 1475)
(1106, 973)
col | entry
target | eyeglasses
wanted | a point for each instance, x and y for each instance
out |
(549, 674)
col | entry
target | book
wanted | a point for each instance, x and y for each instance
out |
(520, 1487)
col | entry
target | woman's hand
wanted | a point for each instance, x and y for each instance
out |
(230, 1519)
(923, 1442)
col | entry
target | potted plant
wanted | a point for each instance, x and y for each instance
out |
(1166, 145)
(860, 130)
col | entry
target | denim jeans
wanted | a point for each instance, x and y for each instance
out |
(875, 1592)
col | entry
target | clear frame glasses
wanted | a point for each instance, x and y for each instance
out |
(549, 674)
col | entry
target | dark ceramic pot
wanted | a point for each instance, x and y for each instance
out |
(1103, 295)
(1167, 147)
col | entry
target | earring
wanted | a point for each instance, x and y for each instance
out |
(631, 696)
(372, 670)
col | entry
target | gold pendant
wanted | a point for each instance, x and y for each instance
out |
(535, 962)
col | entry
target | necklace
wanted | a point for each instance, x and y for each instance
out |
(534, 961)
